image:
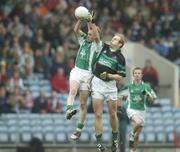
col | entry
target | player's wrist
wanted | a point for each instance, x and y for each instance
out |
(107, 75)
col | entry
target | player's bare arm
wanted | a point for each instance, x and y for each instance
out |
(77, 28)
(115, 77)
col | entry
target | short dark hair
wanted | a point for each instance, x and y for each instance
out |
(36, 145)
(137, 68)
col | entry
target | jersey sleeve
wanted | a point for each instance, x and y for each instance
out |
(121, 67)
(121, 70)
(150, 91)
(97, 46)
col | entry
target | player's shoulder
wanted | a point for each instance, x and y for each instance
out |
(147, 85)
(105, 44)
(128, 85)
(121, 58)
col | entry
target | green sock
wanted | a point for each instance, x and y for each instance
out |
(114, 136)
(80, 126)
(69, 107)
(99, 138)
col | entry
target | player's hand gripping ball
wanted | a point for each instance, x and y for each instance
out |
(82, 13)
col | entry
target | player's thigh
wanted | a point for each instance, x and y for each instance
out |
(83, 95)
(73, 86)
(112, 106)
(82, 77)
(136, 118)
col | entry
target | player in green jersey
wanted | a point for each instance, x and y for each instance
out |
(138, 95)
(109, 68)
(81, 74)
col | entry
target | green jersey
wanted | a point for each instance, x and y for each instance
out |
(135, 97)
(85, 53)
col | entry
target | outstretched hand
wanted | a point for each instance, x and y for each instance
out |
(90, 17)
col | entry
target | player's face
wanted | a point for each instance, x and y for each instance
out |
(90, 37)
(116, 42)
(137, 75)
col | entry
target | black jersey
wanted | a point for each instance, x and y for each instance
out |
(110, 62)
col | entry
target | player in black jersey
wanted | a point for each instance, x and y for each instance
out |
(109, 68)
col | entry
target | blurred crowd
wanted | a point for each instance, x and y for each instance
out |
(36, 36)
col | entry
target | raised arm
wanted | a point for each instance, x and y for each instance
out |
(77, 28)
(96, 30)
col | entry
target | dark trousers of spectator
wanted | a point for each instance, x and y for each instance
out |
(123, 123)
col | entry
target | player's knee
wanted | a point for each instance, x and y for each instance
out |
(139, 123)
(98, 115)
(83, 106)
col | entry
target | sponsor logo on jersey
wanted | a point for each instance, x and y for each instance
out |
(104, 62)
(137, 98)
(83, 53)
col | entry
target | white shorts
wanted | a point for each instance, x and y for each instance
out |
(104, 90)
(139, 113)
(83, 77)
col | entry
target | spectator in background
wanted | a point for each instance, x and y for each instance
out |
(27, 35)
(36, 145)
(40, 103)
(28, 68)
(59, 81)
(26, 64)
(5, 54)
(54, 104)
(4, 105)
(52, 31)
(3, 72)
(16, 26)
(150, 75)
(16, 100)
(160, 48)
(16, 50)
(122, 117)
(38, 40)
(176, 22)
(16, 81)
(47, 59)
(28, 100)
(70, 65)
(38, 67)
(58, 60)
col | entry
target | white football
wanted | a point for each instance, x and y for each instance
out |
(81, 12)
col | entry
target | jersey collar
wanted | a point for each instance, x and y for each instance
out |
(133, 82)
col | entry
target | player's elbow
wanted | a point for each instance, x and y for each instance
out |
(75, 31)
(119, 78)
